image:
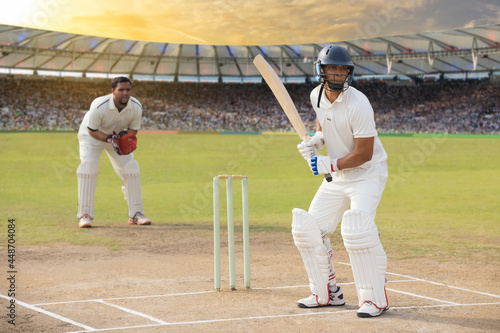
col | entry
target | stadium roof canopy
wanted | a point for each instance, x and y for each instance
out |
(32, 51)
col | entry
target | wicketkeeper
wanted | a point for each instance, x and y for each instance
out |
(111, 124)
(356, 161)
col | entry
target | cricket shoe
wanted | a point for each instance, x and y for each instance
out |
(139, 219)
(85, 221)
(336, 299)
(369, 310)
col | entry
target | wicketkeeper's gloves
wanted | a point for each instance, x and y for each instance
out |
(123, 143)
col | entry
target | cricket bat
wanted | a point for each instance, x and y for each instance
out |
(281, 94)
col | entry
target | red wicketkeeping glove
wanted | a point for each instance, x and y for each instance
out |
(123, 143)
(127, 143)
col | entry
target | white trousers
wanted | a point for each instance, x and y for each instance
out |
(124, 165)
(359, 189)
(91, 149)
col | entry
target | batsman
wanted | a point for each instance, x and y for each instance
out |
(357, 163)
(111, 124)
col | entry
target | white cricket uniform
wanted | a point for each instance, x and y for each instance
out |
(104, 116)
(350, 116)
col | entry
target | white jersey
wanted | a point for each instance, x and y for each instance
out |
(350, 116)
(104, 116)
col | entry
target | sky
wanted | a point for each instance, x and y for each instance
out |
(248, 22)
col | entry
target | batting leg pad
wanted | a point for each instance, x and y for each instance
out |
(368, 259)
(87, 180)
(132, 187)
(308, 239)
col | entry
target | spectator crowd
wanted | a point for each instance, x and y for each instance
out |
(470, 106)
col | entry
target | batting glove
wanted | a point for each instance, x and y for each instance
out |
(305, 150)
(317, 141)
(323, 165)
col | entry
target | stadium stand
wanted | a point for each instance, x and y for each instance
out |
(454, 107)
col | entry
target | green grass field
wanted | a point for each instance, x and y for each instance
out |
(442, 197)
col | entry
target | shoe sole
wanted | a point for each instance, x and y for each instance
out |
(367, 315)
(303, 306)
(135, 223)
(85, 226)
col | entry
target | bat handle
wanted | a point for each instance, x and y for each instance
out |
(328, 177)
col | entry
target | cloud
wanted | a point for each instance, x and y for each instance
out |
(256, 22)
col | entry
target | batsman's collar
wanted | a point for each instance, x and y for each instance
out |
(339, 99)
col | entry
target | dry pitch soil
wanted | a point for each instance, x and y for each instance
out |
(162, 281)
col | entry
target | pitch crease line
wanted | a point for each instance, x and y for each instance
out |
(156, 320)
(118, 328)
(447, 285)
(420, 296)
(130, 297)
(287, 316)
(48, 313)
(207, 321)
(436, 283)
(441, 305)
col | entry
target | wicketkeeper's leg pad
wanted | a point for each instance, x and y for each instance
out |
(368, 258)
(87, 180)
(132, 187)
(308, 239)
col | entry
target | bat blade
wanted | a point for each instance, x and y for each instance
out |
(281, 94)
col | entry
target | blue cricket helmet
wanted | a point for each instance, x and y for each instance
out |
(334, 55)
